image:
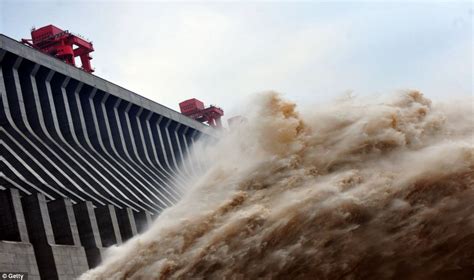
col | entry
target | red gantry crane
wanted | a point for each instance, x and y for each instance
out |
(61, 44)
(194, 109)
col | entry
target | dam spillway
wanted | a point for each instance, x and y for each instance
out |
(85, 163)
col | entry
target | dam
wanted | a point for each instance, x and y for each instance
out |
(85, 164)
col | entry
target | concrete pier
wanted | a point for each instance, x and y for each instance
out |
(16, 251)
(12, 219)
(63, 261)
(126, 222)
(108, 225)
(89, 232)
(143, 220)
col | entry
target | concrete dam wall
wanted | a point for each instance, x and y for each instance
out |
(85, 164)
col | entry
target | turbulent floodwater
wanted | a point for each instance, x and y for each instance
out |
(353, 190)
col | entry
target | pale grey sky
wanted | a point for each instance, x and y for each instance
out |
(223, 52)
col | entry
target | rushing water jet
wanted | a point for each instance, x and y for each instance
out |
(352, 191)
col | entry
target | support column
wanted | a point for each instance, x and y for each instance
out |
(12, 219)
(142, 220)
(128, 228)
(16, 253)
(149, 219)
(41, 232)
(89, 232)
(63, 222)
(54, 261)
(108, 225)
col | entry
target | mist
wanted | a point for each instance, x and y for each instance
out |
(355, 189)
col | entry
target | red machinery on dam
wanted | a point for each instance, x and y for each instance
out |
(66, 46)
(61, 44)
(195, 109)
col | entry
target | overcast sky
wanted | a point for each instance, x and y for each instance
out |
(223, 52)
